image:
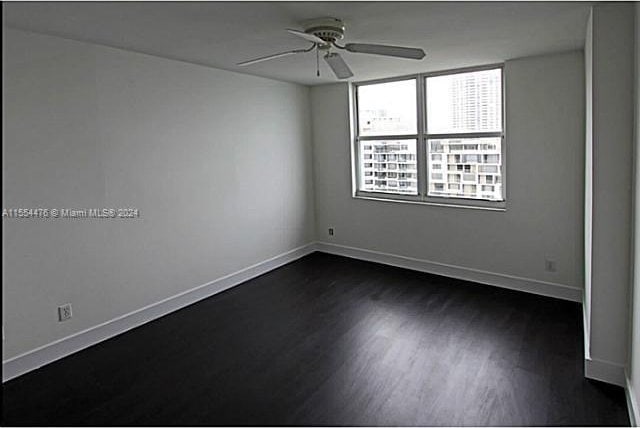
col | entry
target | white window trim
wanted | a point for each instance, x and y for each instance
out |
(421, 147)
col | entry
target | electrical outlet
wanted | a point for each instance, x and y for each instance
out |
(64, 312)
(331, 231)
(550, 265)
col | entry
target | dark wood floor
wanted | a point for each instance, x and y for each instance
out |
(328, 340)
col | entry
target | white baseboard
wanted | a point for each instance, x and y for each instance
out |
(534, 286)
(632, 403)
(597, 369)
(51, 352)
(585, 327)
(605, 371)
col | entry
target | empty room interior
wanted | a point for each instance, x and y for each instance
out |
(321, 213)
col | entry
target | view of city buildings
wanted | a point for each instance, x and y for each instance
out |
(389, 166)
(465, 167)
(462, 167)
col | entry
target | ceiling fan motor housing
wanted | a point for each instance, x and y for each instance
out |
(328, 29)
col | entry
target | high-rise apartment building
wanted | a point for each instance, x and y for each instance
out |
(389, 166)
(467, 168)
(475, 101)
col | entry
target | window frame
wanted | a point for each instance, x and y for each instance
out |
(422, 137)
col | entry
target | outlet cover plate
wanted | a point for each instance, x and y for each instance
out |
(64, 312)
(550, 265)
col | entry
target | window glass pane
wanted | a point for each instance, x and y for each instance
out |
(465, 102)
(472, 165)
(387, 108)
(392, 167)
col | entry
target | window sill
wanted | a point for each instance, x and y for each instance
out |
(446, 202)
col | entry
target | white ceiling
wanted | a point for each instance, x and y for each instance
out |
(220, 34)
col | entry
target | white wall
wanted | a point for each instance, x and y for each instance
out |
(544, 181)
(633, 374)
(611, 127)
(588, 181)
(218, 163)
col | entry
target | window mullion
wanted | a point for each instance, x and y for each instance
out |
(423, 163)
(386, 137)
(465, 135)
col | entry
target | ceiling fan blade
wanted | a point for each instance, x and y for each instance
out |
(307, 36)
(399, 51)
(337, 64)
(268, 57)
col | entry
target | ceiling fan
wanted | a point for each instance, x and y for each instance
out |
(323, 34)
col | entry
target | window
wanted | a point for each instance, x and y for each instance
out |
(443, 132)
(387, 131)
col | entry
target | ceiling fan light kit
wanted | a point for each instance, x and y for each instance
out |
(323, 33)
